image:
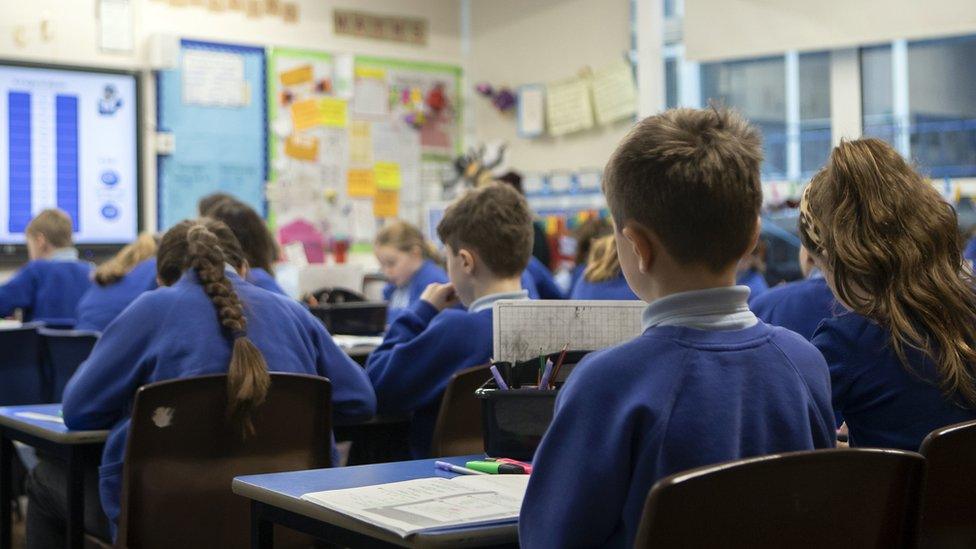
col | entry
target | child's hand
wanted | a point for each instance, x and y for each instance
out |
(441, 296)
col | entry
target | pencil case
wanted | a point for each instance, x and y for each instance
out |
(514, 421)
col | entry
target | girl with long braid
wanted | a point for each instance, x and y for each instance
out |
(204, 319)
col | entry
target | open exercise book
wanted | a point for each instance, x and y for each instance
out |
(429, 504)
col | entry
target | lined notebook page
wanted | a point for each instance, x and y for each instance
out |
(523, 328)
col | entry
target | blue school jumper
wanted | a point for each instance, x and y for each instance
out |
(401, 298)
(101, 304)
(173, 333)
(615, 288)
(705, 383)
(885, 404)
(263, 279)
(755, 281)
(799, 306)
(48, 290)
(969, 252)
(576, 275)
(545, 284)
(420, 353)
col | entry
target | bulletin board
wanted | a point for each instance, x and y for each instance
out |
(214, 104)
(355, 141)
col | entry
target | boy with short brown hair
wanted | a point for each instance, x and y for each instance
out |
(488, 238)
(706, 382)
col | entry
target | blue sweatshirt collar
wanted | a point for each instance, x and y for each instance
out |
(487, 301)
(712, 309)
(64, 254)
(815, 273)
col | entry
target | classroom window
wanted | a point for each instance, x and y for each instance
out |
(670, 82)
(877, 94)
(942, 106)
(814, 90)
(756, 88)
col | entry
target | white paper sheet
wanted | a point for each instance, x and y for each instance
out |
(568, 107)
(214, 79)
(614, 93)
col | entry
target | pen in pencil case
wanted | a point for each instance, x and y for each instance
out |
(445, 466)
(498, 378)
(546, 374)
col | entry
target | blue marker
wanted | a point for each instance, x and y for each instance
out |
(456, 468)
(544, 382)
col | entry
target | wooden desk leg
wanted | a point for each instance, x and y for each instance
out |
(76, 499)
(262, 529)
(6, 490)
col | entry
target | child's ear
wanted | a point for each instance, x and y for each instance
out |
(467, 260)
(642, 245)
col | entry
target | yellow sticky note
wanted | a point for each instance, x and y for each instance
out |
(333, 112)
(360, 183)
(387, 176)
(370, 72)
(386, 204)
(302, 147)
(304, 114)
(296, 76)
(360, 143)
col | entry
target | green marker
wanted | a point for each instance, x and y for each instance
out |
(495, 467)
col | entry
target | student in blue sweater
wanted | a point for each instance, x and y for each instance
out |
(205, 320)
(751, 270)
(118, 282)
(542, 280)
(590, 231)
(903, 360)
(603, 278)
(49, 287)
(801, 305)
(488, 238)
(706, 382)
(260, 249)
(410, 263)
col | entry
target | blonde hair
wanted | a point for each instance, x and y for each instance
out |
(406, 237)
(54, 225)
(603, 264)
(892, 250)
(128, 257)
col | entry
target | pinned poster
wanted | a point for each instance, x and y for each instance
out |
(304, 114)
(614, 93)
(360, 143)
(360, 183)
(371, 96)
(297, 76)
(388, 176)
(531, 110)
(568, 107)
(344, 75)
(302, 147)
(333, 112)
(386, 203)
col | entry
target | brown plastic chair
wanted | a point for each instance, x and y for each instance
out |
(458, 430)
(182, 455)
(846, 498)
(949, 498)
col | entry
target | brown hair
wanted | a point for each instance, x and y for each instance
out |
(495, 222)
(692, 177)
(205, 204)
(259, 246)
(591, 230)
(126, 259)
(54, 225)
(603, 264)
(406, 237)
(205, 245)
(890, 246)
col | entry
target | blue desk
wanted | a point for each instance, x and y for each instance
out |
(276, 499)
(76, 448)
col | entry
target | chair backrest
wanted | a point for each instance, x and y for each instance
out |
(62, 352)
(458, 431)
(949, 498)
(845, 498)
(182, 455)
(20, 366)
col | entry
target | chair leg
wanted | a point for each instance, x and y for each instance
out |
(262, 530)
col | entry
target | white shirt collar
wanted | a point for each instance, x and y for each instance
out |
(486, 302)
(724, 308)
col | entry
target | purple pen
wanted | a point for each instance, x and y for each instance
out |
(498, 378)
(544, 382)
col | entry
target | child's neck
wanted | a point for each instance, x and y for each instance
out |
(496, 286)
(688, 281)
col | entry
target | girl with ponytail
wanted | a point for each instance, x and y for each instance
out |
(204, 319)
(409, 261)
(603, 278)
(903, 360)
(118, 282)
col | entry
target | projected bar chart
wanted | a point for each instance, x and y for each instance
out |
(66, 131)
(19, 159)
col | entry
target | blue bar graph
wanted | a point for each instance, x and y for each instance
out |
(19, 159)
(66, 149)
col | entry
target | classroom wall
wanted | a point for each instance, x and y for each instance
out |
(75, 32)
(515, 42)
